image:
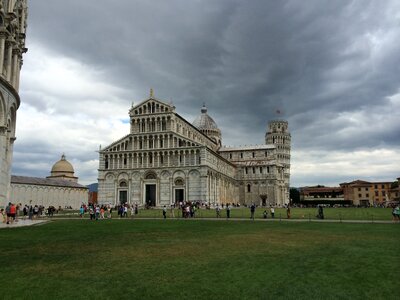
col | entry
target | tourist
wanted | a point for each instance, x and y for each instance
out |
(218, 211)
(97, 211)
(3, 216)
(125, 210)
(228, 211)
(25, 211)
(102, 212)
(164, 212)
(187, 211)
(81, 211)
(30, 212)
(320, 214)
(172, 211)
(35, 211)
(396, 213)
(132, 211)
(91, 212)
(252, 210)
(13, 212)
(8, 214)
(288, 211)
(272, 210)
(265, 214)
(17, 209)
(136, 209)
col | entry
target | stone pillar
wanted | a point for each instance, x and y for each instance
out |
(15, 66)
(9, 59)
(2, 49)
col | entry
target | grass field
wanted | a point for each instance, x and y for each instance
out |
(369, 214)
(189, 259)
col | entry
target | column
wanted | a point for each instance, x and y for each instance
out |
(15, 64)
(9, 59)
(2, 49)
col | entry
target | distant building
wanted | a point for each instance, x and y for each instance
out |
(60, 189)
(321, 193)
(364, 193)
(165, 159)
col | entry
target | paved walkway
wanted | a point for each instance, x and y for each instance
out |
(22, 223)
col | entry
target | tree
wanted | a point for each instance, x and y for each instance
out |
(294, 195)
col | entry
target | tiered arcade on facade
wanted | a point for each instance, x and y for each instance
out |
(165, 159)
(13, 16)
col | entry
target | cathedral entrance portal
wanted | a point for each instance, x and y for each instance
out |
(123, 197)
(179, 195)
(150, 196)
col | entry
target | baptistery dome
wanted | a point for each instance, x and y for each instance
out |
(63, 170)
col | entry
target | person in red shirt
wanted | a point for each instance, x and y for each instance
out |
(13, 210)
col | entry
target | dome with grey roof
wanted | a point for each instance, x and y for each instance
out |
(208, 126)
(204, 121)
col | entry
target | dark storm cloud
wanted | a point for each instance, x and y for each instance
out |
(330, 67)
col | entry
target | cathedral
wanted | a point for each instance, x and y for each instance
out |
(13, 15)
(165, 159)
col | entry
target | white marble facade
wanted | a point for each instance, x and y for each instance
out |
(13, 14)
(165, 159)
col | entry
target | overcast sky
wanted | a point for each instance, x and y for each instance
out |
(331, 67)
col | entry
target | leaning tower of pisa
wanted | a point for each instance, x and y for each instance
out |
(278, 134)
(13, 16)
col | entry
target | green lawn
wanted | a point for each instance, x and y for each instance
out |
(189, 259)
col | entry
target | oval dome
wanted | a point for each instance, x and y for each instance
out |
(62, 166)
(204, 121)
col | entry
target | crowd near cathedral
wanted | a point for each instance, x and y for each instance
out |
(166, 160)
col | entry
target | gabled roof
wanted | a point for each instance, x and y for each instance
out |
(45, 182)
(357, 183)
(153, 99)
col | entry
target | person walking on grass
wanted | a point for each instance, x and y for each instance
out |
(97, 212)
(164, 212)
(228, 211)
(252, 210)
(396, 214)
(132, 211)
(218, 211)
(81, 211)
(125, 211)
(288, 211)
(272, 210)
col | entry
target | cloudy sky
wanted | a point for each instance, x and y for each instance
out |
(331, 67)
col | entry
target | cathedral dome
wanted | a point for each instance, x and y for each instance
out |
(204, 121)
(207, 126)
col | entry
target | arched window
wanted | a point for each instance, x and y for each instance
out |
(249, 188)
(123, 184)
(151, 176)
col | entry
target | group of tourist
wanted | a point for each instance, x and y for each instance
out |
(9, 214)
(12, 211)
(97, 212)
